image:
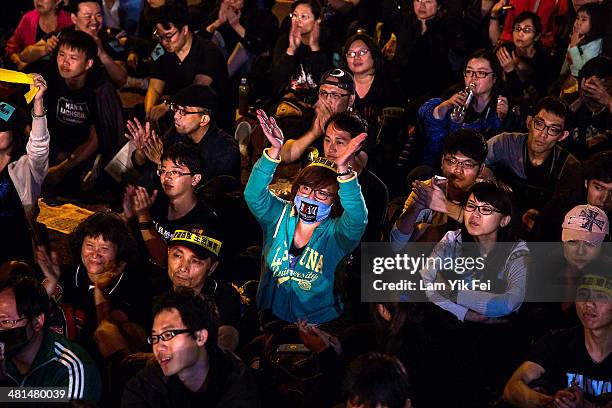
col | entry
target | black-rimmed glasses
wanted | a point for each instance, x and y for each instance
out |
(172, 173)
(10, 323)
(482, 209)
(181, 110)
(166, 336)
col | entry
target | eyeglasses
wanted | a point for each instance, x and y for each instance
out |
(333, 95)
(482, 209)
(301, 17)
(553, 130)
(478, 74)
(9, 324)
(166, 336)
(172, 174)
(181, 110)
(526, 29)
(162, 38)
(319, 194)
(361, 53)
(465, 164)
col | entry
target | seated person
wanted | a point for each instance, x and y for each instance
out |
(194, 109)
(485, 112)
(243, 30)
(22, 171)
(193, 256)
(525, 49)
(180, 173)
(186, 59)
(572, 367)
(590, 126)
(435, 207)
(35, 356)
(305, 239)
(87, 16)
(190, 370)
(487, 225)
(597, 192)
(299, 61)
(84, 114)
(533, 164)
(377, 380)
(336, 94)
(105, 289)
(36, 35)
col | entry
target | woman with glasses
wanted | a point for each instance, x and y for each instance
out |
(485, 112)
(307, 236)
(528, 68)
(488, 238)
(300, 56)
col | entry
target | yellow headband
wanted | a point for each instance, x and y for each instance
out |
(324, 162)
(596, 282)
(15, 77)
(203, 241)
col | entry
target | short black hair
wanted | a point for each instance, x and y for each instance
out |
(175, 15)
(599, 21)
(30, 296)
(599, 167)
(111, 228)
(554, 105)
(469, 142)
(315, 6)
(376, 379)
(347, 122)
(530, 15)
(197, 311)
(184, 154)
(74, 5)
(600, 67)
(80, 41)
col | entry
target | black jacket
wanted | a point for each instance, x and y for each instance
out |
(229, 384)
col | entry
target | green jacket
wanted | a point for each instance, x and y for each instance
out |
(305, 291)
(60, 363)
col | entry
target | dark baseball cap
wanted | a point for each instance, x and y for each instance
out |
(339, 77)
(199, 96)
(199, 238)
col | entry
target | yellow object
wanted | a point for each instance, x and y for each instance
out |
(16, 77)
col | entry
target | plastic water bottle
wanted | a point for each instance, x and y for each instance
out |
(243, 97)
(458, 113)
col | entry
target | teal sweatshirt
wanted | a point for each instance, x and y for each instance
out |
(307, 290)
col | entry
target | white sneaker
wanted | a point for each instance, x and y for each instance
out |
(243, 137)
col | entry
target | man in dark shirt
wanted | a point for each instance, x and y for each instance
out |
(186, 59)
(190, 370)
(533, 164)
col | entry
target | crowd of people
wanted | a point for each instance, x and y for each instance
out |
(235, 202)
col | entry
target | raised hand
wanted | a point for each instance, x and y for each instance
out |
(126, 203)
(138, 134)
(233, 16)
(39, 82)
(49, 265)
(595, 90)
(273, 133)
(153, 148)
(314, 36)
(51, 44)
(506, 59)
(502, 107)
(142, 202)
(295, 38)
(575, 38)
(351, 148)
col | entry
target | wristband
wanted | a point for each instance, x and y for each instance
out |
(39, 116)
(147, 225)
(494, 18)
(346, 173)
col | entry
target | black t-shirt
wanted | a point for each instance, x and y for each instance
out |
(539, 176)
(71, 113)
(218, 150)
(376, 197)
(566, 360)
(200, 214)
(204, 58)
(15, 242)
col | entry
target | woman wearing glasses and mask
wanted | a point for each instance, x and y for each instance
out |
(527, 66)
(488, 237)
(484, 111)
(307, 236)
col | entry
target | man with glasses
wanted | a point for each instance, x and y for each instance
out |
(336, 94)
(434, 206)
(87, 16)
(186, 59)
(190, 369)
(180, 172)
(194, 110)
(35, 356)
(534, 164)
